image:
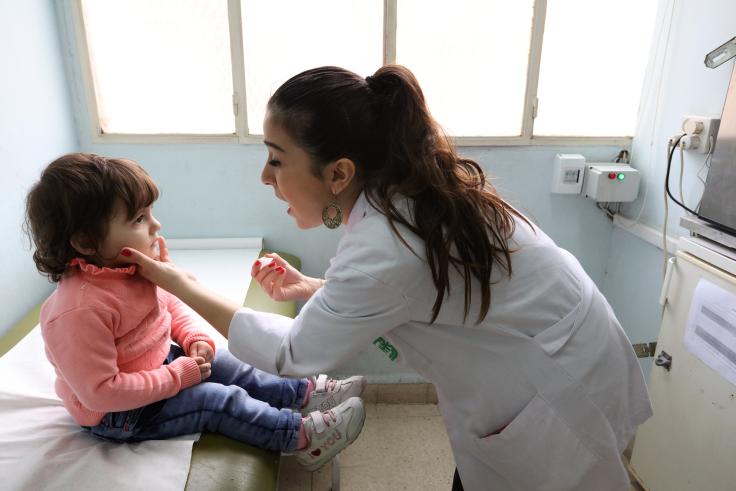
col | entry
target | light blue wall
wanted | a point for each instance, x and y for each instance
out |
(35, 127)
(215, 191)
(678, 85)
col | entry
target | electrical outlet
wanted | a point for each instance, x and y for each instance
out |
(701, 132)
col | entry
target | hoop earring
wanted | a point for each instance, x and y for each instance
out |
(332, 222)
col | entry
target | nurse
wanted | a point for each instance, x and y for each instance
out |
(537, 383)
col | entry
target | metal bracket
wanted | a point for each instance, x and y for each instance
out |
(664, 360)
(644, 350)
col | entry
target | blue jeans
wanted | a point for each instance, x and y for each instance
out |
(237, 400)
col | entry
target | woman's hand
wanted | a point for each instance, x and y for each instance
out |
(161, 272)
(281, 281)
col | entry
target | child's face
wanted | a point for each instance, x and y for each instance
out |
(140, 233)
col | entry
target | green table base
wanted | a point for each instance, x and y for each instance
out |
(218, 463)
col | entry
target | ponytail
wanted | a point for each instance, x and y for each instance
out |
(383, 124)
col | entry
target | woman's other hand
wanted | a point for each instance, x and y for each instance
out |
(281, 281)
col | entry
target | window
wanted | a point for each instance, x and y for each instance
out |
(160, 66)
(493, 72)
(299, 35)
(593, 63)
(471, 59)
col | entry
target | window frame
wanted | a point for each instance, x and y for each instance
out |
(83, 89)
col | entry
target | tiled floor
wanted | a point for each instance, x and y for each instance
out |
(402, 447)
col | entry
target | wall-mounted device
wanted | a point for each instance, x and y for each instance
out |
(568, 173)
(615, 183)
(718, 206)
(604, 182)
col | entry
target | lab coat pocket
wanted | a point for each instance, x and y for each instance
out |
(537, 450)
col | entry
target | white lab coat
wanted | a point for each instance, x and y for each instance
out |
(550, 363)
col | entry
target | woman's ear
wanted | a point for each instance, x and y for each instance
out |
(80, 244)
(340, 174)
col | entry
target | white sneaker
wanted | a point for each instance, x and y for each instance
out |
(329, 393)
(327, 439)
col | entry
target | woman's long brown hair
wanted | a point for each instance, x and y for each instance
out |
(383, 124)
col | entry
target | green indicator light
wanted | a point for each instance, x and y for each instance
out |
(621, 176)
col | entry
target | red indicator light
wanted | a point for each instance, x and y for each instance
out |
(612, 175)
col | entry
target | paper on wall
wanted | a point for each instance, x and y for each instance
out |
(711, 328)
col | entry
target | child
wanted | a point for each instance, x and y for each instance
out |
(108, 331)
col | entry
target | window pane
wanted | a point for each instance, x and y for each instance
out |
(161, 66)
(284, 37)
(593, 64)
(471, 60)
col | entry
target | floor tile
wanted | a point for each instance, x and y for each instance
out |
(401, 447)
(400, 477)
(371, 410)
(390, 441)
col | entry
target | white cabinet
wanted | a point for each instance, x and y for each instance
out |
(690, 442)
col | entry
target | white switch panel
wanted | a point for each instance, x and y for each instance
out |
(615, 183)
(567, 175)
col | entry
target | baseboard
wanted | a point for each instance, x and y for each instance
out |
(423, 393)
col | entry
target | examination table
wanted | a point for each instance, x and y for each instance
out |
(217, 462)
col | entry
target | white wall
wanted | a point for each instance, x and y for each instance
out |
(678, 85)
(36, 126)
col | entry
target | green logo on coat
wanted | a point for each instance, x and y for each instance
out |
(387, 348)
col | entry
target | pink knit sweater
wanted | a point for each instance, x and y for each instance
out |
(107, 333)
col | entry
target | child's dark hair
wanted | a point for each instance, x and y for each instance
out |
(75, 198)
